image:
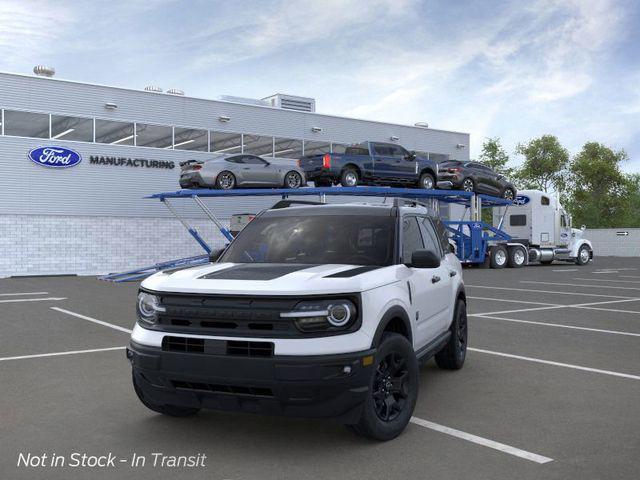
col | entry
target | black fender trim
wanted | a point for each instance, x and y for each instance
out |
(394, 312)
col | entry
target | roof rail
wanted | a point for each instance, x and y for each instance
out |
(289, 203)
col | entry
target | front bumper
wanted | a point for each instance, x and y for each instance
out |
(325, 386)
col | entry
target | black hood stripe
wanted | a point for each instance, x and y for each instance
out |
(256, 271)
(352, 272)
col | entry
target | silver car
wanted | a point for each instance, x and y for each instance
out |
(241, 170)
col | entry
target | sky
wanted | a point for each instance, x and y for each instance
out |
(509, 69)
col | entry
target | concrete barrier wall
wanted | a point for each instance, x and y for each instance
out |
(614, 242)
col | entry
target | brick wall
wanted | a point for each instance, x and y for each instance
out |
(46, 244)
(608, 241)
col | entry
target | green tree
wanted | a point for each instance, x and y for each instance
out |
(545, 164)
(600, 194)
(494, 156)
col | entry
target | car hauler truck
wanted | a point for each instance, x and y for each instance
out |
(540, 231)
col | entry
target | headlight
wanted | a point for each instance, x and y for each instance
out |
(323, 315)
(148, 308)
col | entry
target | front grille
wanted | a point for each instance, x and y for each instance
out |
(229, 389)
(217, 347)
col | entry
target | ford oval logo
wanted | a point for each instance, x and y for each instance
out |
(55, 157)
(521, 200)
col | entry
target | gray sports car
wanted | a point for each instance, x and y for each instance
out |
(241, 170)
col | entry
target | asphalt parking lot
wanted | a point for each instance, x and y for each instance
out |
(551, 389)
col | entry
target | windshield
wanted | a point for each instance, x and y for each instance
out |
(318, 239)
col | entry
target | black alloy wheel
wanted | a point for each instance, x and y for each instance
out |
(390, 387)
(293, 180)
(508, 194)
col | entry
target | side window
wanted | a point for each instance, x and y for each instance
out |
(517, 220)
(544, 200)
(237, 159)
(253, 160)
(382, 149)
(443, 235)
(398, 151)
(411, 238)
(429, 235)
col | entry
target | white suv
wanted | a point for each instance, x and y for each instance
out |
(313, 310)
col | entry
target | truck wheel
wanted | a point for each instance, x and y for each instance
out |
(170, 410)
(225, 180)
(349, 178)
(393, 390)
(427, 182)
(452, 356)
(584, 255)
(498, 256)
(517, 257)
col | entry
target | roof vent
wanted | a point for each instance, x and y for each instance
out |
(175, 91)
(153, 88)
(44, 71)
(291, 102)
(422, 124)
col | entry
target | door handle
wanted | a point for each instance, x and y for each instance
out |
(246, 168)
(452, 273)
(435, 279)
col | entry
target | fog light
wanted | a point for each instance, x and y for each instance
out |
(368, 360)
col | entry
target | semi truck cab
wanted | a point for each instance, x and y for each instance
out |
(539, 223)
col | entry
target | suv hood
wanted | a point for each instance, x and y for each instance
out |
(272, 279)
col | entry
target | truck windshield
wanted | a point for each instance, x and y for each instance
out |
(317, 239)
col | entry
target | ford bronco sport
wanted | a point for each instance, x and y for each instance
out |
(312, 310)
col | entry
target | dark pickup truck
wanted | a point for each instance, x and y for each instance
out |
(371, 163)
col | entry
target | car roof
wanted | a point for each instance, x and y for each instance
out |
(384, 210)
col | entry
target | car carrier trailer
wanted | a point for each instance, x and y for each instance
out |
(475, 241)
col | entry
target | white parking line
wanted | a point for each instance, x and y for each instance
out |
(629, 276)
(547, 291)
(511, 301)
(566, 270)
(534, 457)
(94, 320)
(556, 364)
(605, 280)
(581, 285)
(559, 325)
(27, 293)
(57, 354)
(552, 306)
(19, 300)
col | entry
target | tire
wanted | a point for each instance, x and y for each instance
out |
(509, 194)
(393, 390)
(584, 255)
(292, 180)
(349, 178)
(453, 354)
(468, 185)
(427, 182)
(517, 257)
(546, 262)
(170, 410)
(499, 256)
(225, 180)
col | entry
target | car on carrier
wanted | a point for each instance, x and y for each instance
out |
(371, 163)
(235, 171)
(474, 177)
(312, 310)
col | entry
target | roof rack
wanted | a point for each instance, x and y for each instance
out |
(290, 203)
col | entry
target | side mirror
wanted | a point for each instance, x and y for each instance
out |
(424, 259)
(215, 255)
(410, 156)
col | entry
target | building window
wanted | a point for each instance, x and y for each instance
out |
(226, 142)
(190, 139)
(316, 148)
(71, 128)
(26, 124)
(115, 133)
(258, 145)
(287, 148)
(157, 136)
(338, 147)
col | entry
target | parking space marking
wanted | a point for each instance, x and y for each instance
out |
(551, 306)
(534, 457)
(559, 325)
(566, 270)
(47, 299)
(606, 280)
(511, 301)
(94, 320)
(629, 276)
(556, 364)
(548, 291)
(27, 293)
(580, 285)
(57, 354)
